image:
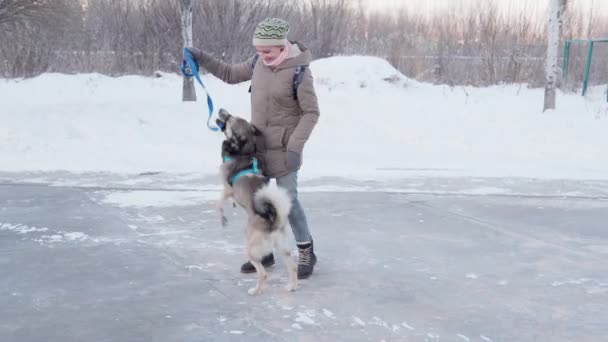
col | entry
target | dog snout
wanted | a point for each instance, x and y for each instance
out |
(221, 124)
(223, 115)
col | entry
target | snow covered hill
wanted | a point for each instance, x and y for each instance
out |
(375, 124)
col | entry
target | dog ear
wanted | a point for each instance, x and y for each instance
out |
(231, 146)
(226, 147)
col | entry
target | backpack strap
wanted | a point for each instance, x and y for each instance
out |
(297, 79)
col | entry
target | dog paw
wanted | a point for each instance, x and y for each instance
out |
(290, 287)
(254, 291)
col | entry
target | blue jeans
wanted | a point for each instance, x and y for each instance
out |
(297, 218)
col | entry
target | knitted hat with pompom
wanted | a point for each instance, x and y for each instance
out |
(271, 32)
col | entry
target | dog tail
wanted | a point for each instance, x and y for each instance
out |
(273, 204)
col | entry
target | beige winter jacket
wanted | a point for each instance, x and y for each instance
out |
(284, 122)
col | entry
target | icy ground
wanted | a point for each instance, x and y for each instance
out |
(102, 257)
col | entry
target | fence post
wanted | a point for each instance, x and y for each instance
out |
(566, 59)
(588, 67)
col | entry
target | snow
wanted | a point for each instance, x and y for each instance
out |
(153, 198)
(20, 228)
(375, 124)
(305, 319)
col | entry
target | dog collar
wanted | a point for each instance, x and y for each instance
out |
(253, 170)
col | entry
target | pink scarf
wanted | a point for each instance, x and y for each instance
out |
(281, 57)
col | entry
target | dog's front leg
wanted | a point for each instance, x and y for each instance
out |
(226, 194)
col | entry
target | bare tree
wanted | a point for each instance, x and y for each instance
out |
(470, 44)
(329, 21)
(556, 9)
(225, 27)
(30, 31)
(185, 6)
(23, 11)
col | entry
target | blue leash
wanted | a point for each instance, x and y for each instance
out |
(191, 62)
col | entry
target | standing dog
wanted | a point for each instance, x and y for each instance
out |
(267, 207)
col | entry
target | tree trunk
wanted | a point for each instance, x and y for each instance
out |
(188, 93)
(556, 8)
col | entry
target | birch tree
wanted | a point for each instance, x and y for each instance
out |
(556, 10)
(185, 6)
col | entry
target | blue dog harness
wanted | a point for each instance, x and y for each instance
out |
(253, 170)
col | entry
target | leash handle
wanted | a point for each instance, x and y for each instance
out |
(185, 70)
(190, 62)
